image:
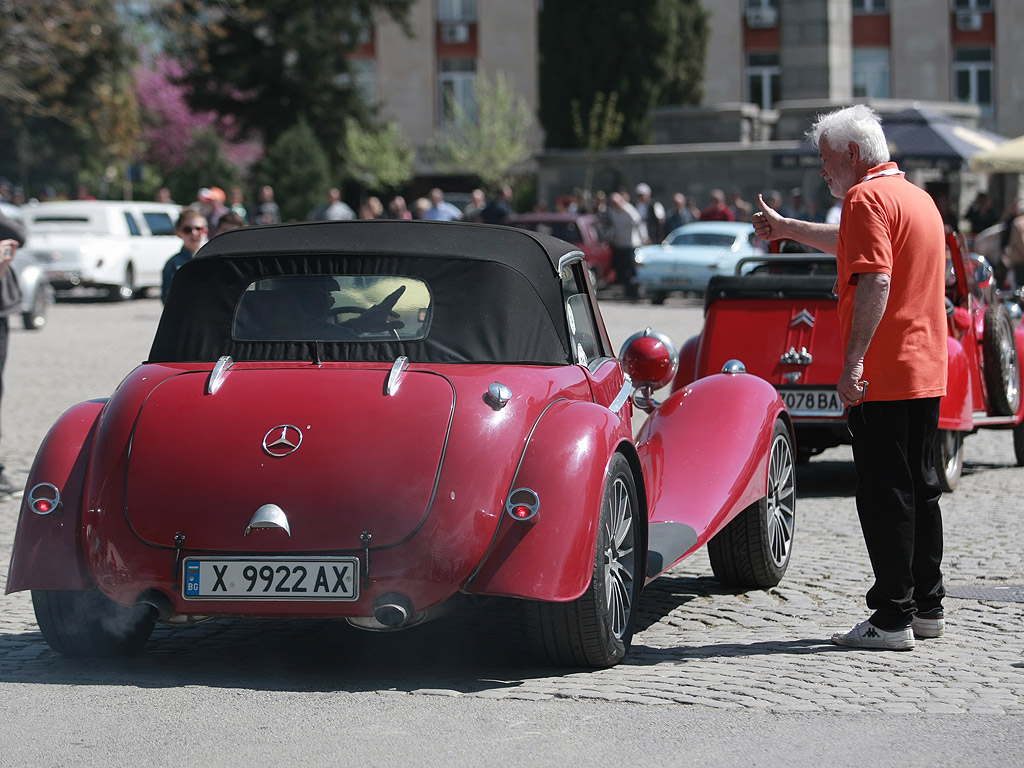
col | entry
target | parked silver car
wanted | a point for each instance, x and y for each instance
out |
(114, 245)
(692, 254)
(36, 291)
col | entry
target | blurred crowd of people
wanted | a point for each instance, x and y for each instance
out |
(627, 219)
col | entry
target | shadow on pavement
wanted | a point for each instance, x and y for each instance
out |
(820, 478)
(643, 655)
(483, 647)
(467, 654)
(668, 593)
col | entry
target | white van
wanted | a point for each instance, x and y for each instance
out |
(119, 246)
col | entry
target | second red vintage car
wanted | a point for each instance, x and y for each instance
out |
(781, 321)
(370, 421)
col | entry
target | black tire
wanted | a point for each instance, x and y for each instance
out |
(949, 458)
(1002, 368)
(753, 550)
(127, 289)
(658, 297)
(1018, 443)
(35, 318)
(596, 630)
(91, 624)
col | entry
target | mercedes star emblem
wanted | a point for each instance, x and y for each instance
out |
(282, 440)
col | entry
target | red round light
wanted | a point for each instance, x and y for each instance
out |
(43, 506)
(650, 358)
(521, 511)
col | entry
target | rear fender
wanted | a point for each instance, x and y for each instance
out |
(47, 550)
(955, 408)
(564, 463)
(705, 458)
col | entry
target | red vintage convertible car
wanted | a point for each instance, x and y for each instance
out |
(788, 298)
(370, 420)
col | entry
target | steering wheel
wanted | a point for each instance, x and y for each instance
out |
(380, 318)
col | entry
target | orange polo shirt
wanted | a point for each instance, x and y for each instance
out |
(893, 227)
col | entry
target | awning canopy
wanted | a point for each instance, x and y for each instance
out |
(918, 138)
(1006, 158)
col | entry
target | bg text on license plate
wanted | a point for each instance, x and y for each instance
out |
(273, 578)
(812, 402)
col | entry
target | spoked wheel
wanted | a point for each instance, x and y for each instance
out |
(1002, 368)
(949, 458)
(91, 624)
(596, 630)
(753, 550)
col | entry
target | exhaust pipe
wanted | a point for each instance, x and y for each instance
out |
(158, 601)
(392, 610)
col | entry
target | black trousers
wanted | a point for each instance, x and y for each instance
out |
(898, 505)
(5, 332)
(624, 262)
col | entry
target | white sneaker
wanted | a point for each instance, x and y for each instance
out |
(867, 635)
(925, 627)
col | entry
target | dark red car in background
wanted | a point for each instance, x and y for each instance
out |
(581, 229)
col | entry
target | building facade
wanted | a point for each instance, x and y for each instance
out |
(964, 51)
(416, 80)
(771, 66)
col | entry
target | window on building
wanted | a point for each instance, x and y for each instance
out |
(870, 6)
(456, 10)
(972, 77)
(763, 79)
(871, 73)
(754, 5)
(972, 5)
(456, 89)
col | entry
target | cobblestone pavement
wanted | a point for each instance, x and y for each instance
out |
(696, 643)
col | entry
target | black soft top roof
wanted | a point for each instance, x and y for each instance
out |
(496, 291)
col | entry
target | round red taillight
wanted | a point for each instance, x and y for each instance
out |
(523, 505)
(43, 498)
(650, 358)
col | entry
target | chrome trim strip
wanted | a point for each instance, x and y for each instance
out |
(569, 258)
(623, 396)
(395, 377)
(218, 374)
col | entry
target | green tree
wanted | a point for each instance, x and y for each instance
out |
(601, 129)
(66, 91)
(296, 166)
(269, 62)
(646, 52)
(492, 144)
(377, 158)
(687, 55)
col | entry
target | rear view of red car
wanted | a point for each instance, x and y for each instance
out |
(781, 321)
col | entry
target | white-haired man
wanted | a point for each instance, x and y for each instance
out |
(890, 251)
